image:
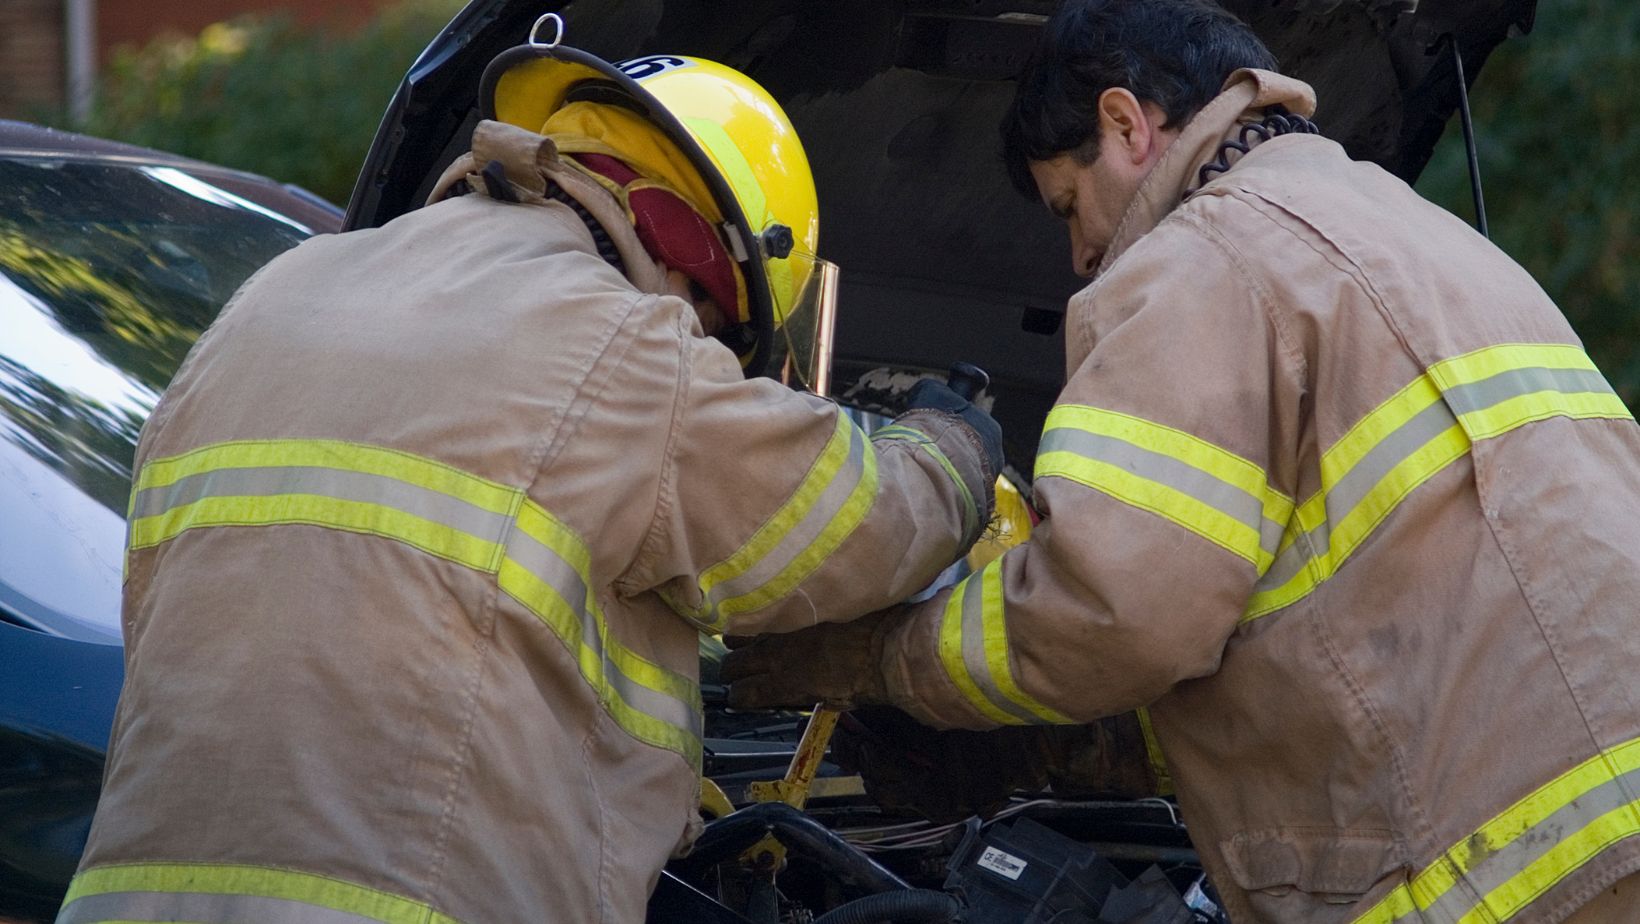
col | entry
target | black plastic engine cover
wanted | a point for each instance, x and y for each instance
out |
(1025, 872)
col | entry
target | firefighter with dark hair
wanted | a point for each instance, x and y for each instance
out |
(1332, 489)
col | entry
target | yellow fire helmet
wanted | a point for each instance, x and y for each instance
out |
(747, 160)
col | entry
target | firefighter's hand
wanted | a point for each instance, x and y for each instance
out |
(833, 663)
(1102, 759)
(937, 396)
(948, 775)
(943, 776)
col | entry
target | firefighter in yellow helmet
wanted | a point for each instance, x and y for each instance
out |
(723, 148)
(425, 530)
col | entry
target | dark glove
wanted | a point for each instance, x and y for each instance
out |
(949, 775)
(937, 396)
(941, 775)
(1102, 758)
(838, 664)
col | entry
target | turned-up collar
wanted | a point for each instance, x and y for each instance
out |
(1246, 93)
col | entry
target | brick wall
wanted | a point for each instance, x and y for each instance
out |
(31, 57)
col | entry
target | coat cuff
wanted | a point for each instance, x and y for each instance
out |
(954, 446)
(913, 677)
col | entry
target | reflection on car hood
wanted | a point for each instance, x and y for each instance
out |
(111, 264)
(61, 568)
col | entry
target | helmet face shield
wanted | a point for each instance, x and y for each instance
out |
(803, 341)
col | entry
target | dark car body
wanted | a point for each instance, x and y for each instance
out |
(113, 259)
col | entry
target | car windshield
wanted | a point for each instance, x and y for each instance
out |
(108, 273)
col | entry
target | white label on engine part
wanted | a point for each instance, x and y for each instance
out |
(1003, 864)
(1197, 900)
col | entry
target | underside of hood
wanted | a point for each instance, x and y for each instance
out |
(898, 101)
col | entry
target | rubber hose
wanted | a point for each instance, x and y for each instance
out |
(911, 906)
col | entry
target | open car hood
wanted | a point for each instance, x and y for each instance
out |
(897, 102)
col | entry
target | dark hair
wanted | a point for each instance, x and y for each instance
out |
(1174, 53)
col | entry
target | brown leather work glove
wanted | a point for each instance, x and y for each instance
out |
(833, 663)
(948, 775)
(943, 776)
(1100, 759)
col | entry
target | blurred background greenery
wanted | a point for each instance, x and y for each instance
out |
(298, 104)
(1558, 135)
(1559, 140)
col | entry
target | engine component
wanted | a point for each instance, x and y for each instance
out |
(1028, 873)
(913, 906)
(801, 835)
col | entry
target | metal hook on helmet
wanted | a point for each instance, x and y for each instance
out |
(557, 34)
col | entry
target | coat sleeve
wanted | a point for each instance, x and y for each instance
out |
(778, 512)
(1164, 475)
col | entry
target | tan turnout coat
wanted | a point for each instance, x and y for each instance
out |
(1333, 487)
(402, 528)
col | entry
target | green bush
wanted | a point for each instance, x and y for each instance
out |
(264, 95)
(1559, 144)
(1560, 159)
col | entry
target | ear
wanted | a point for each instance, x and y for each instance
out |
(1132, 126)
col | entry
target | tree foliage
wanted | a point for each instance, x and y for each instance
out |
(262, 94)
(1555, 112)
(1559, 146)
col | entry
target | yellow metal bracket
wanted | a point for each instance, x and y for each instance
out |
(794, 789)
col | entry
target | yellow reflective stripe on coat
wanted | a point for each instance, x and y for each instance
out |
(223, 892)
(347, 486)
(1500, 388)
(547, 570)
(973, 647)
(833, 498)
(1208, 490)
(491, 528)
(924, 442)
(1153, 750)
(1413, 436)
(1496, 872)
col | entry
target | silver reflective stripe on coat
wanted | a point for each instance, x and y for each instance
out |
(834, 497)
(341, 484)
(974, 654)
(437, 509)
(1499, 871)
(974, 650)
(1490, 392)
(201, 906)
(1425, 427)
(1354, 487)
(551, 569)
(1163, 469)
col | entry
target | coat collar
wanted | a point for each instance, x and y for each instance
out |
(1246, 93)
(530, 162)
